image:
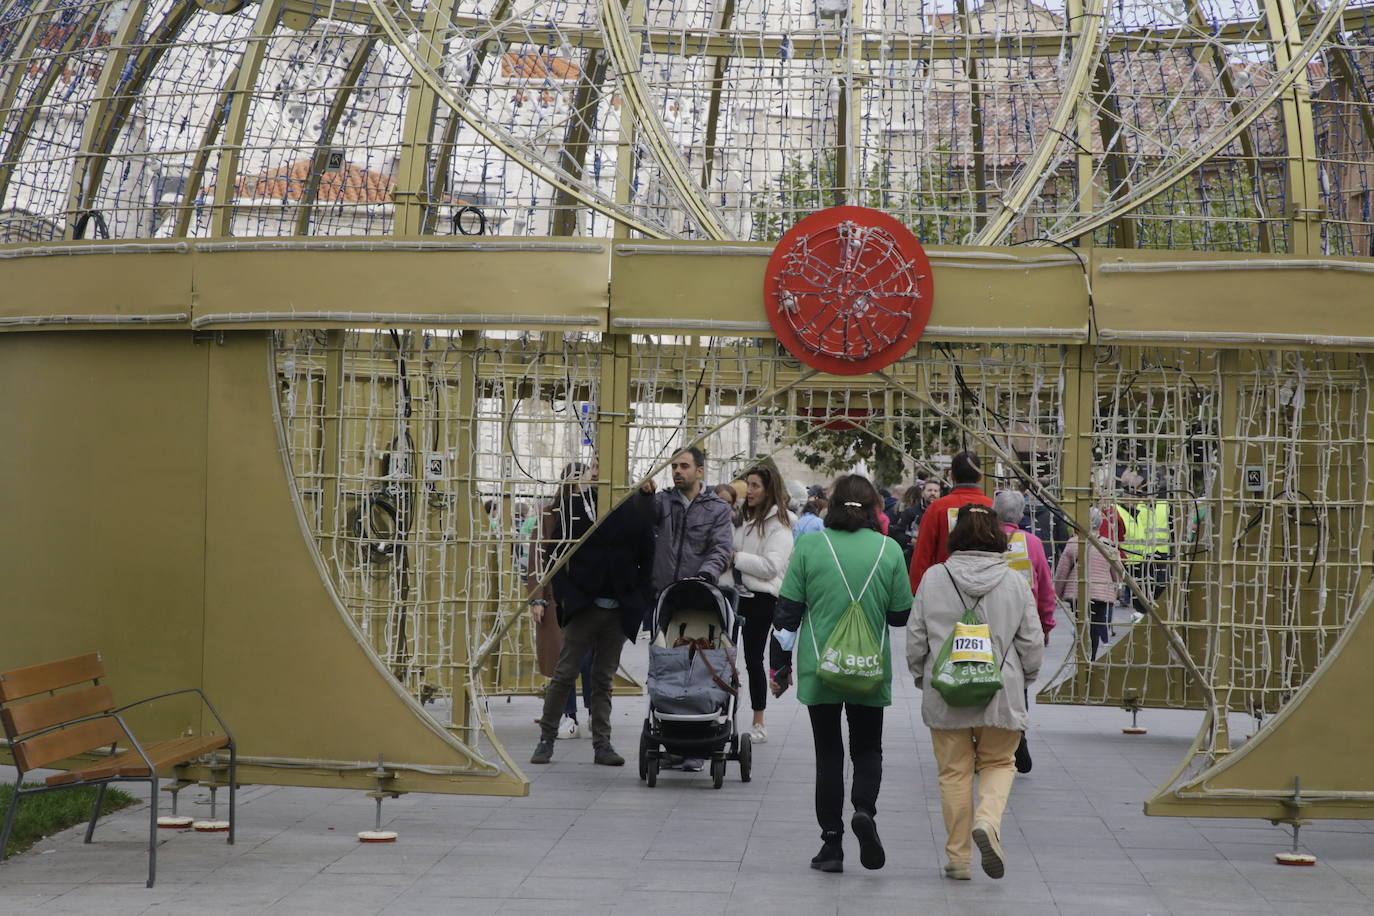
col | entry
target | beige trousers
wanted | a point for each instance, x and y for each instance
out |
(961, 752)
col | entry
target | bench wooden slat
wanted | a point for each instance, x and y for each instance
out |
(25, 682)
(169, 753)
(22, 718)
(36, 752)
(163, 754)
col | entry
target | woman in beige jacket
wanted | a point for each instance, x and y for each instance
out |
(975, 740)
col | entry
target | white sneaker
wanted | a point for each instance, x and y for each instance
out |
(568, 728)
(1137, 617)
(759, 735)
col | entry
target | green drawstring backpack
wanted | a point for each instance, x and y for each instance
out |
(966, 671)
(852, 660)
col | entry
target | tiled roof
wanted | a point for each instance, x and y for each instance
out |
(54, 37)
(351, 184)
(538, 65)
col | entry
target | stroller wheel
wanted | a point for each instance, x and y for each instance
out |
(651, 771)
(746, 758)
(646, 744)
(717, 772)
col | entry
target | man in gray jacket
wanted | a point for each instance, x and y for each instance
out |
(693, 534)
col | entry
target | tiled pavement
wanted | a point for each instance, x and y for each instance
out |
(594, 840)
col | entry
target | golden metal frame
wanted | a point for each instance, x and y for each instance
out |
(216, 547)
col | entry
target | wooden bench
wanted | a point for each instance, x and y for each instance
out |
(61, 709)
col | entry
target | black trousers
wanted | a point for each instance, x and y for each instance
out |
(1153, 576)
(865, 750)
(1101, 616)
(757, 611)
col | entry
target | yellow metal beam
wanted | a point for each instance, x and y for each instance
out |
(121, 83)
(1010, 294)
(819, 44)
(1087, 48)
(440, 180)
(236, 123)
(1247, 141)
(38, 95)
(187, 209)
(18, 66)
(319, 160)
(411, 190)
(1305, 211)
(1201, 153)
(641, 105)
(557, 177)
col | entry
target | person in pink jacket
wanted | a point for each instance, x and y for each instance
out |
(1103, 583)
(1026, 555)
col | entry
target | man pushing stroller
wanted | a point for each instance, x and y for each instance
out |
(693, 533)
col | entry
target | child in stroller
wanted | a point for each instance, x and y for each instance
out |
(693, 682)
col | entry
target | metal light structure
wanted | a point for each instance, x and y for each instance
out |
(1149, 227)
(1247, 125)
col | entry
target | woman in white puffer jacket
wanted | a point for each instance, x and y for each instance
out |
(763, 545)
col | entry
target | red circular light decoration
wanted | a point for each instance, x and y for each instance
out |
(848, 290)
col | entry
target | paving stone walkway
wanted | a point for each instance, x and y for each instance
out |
(594, 840)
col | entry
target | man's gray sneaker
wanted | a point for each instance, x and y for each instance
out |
(605, 755)
(693, 764)
(543, 751)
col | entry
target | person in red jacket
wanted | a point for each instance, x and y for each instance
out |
(932, 538)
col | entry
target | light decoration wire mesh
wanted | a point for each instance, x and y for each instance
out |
(1189, 124)
(421, 460)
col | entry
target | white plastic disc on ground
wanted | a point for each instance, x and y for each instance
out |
(1295, 858)
(210, 826)
(174, 822)
(377, 836)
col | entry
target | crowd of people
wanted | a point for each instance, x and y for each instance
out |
(963, 572)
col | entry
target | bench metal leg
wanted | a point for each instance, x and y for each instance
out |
(233, 788)
(9, 819)
(152, 832)
(95, 811)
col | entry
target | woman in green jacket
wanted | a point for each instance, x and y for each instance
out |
(848, 561)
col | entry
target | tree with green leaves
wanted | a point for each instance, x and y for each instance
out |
(937, 211)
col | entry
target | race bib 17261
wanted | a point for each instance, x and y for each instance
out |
(972, 643)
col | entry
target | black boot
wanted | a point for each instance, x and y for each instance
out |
(831, 856)
(871, 854)
(1023, 757)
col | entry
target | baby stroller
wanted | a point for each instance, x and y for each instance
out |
(693, 682)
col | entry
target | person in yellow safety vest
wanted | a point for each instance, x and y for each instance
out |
(1147, 544)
